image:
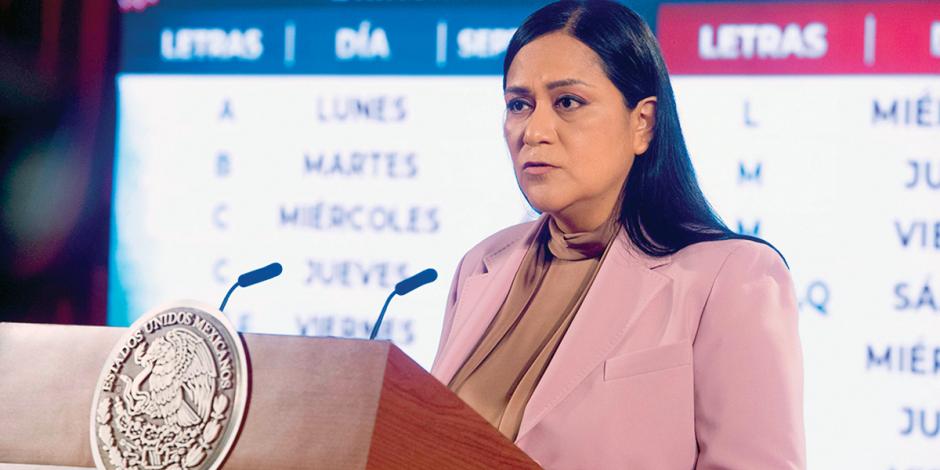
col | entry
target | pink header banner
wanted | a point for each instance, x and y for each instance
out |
(801, 38)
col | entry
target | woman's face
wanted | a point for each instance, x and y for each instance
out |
(569, 131)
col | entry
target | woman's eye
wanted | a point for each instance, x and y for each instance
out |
(568, 102)
(515, 106)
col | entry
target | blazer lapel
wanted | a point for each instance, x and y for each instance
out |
(624, 285)
(480, 299)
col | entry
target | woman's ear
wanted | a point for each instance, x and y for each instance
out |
(643, 121)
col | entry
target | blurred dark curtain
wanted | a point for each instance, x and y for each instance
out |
(57, 64)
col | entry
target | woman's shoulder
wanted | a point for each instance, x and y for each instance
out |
(731, 273)
(734, 256)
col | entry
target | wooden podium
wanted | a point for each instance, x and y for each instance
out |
(314, 403)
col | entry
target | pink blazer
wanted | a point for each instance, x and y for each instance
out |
(686, 361)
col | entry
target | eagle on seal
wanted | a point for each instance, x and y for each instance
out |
(181, 373)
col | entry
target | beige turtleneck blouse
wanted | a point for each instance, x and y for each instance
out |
(501, 373)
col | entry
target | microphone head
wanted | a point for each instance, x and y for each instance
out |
(416, 281)
(260, 275)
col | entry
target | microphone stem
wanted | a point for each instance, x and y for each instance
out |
(375, 328)
(227, 295)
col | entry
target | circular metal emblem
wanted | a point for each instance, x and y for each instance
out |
(172, 393)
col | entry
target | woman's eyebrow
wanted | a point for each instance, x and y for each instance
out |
(521, 90)
(566, 82)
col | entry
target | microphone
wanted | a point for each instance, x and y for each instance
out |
(416, 281)
(402, 288)
(260, 275)
(251, 278)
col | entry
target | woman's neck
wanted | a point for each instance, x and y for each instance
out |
(587, 216)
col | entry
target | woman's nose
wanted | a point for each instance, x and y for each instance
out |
(540, 127)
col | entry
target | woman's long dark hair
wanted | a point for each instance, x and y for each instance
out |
(663, 207)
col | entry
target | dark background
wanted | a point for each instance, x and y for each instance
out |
(57, 64)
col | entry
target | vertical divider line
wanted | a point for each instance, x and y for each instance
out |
(290, 31)
(441, 43)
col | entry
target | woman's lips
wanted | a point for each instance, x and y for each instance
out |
(537, 168)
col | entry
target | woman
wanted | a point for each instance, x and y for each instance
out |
(627, 327)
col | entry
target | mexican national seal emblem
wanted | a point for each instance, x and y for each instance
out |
(172, 393)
